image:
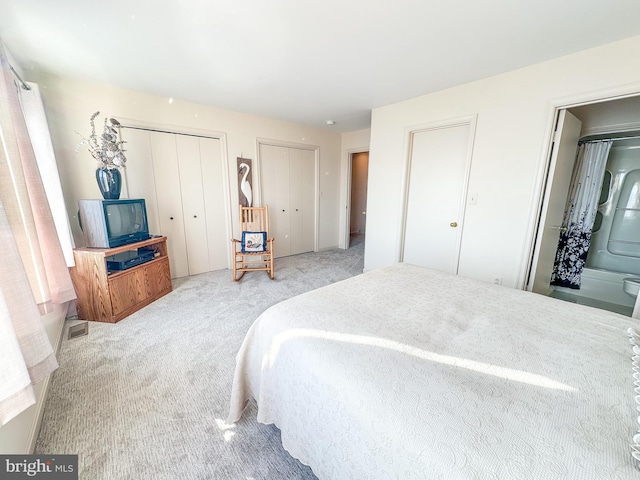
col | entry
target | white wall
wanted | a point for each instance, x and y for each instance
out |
(515, 113)
(69, 104)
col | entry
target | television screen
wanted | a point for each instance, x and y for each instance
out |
(125, 219)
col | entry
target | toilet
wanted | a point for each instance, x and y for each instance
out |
(631, 285)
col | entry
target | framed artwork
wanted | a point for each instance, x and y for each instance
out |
(245, 185)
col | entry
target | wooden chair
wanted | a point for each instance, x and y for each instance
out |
(254, 250)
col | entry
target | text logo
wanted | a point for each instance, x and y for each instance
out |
(51, 467)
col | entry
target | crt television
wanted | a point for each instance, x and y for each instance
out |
(113, 223)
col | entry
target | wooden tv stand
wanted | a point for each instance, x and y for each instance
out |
(105, 296)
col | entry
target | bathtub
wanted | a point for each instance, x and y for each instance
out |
(601, 285)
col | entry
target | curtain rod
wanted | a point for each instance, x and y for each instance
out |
(22, 82)
(613, 139)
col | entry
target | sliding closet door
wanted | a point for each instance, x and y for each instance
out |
(438, 168)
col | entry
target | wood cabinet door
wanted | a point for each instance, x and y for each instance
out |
(158, 277)
(127, 290)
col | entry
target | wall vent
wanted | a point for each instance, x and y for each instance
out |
(78, 330)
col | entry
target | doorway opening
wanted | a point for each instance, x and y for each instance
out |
(612, 258)
(357, 219)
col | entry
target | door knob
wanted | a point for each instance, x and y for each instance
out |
(453, 224)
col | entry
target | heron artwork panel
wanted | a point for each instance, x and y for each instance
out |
(245, 185)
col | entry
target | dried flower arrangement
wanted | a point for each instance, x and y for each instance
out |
(108, 150)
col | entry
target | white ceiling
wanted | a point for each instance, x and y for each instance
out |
(298, 60)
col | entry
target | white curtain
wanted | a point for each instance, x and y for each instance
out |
(36, 121)
(580, 213)
(33, 271)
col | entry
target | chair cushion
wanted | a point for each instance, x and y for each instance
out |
(254, 242)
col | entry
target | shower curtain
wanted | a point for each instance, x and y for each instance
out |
(580, 213)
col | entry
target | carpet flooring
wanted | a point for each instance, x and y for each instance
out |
(147, 398)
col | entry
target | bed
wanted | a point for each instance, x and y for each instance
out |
(409, 373)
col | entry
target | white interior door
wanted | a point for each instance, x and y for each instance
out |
(563, 156)
(438, 172)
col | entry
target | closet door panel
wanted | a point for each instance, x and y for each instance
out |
(268, 184)
(275, 176)
(289, 188)
(195, 226)
(296, 187)
(308, 200)
(302, 200)
(282, 203)
(139, 178)
(167, 177)
(214, 202)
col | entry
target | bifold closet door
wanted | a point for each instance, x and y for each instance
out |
(275, 193)
(301, 200)
(169, 200)
(182, 179)
(288, 187)
(193, 208)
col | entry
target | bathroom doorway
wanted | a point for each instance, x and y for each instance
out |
(614, 251)
(357, 221)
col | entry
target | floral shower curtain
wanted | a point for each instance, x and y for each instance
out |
(580, 213)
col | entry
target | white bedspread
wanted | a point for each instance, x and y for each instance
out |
(407, 373)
